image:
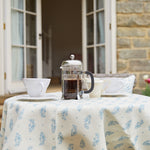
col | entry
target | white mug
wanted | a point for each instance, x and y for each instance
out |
(36, 86)
(98, 86)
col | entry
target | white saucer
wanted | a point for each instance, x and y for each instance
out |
(47, 96)
(115, 94)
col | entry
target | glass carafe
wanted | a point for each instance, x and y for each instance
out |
(72, 79)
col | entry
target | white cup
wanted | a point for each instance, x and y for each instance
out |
(98, 87)
(36, 87)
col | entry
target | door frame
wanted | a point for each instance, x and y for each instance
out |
(19, 86)
(112, 37)
(1, 49)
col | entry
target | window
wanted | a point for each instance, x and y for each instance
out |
(98, 53)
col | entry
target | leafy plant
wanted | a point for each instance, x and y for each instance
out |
(146, 92)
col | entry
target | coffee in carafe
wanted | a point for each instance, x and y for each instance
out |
(71, 87)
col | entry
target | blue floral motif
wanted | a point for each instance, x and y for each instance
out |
(70, 147)
(53, 147)
(123, 138)
(53, 125)
(141, 108)
(129, 109)
(31, 125)
(96, 139)
(101, 113)
(5, 139)
(17, 139)
(42, 138)
(108, 133)
(87, 121)
(118, 146)
(139, 124)
(17, 109)
(146, 143)
(112, 123)
(64, 114)
(43, 112)
(20, 114)
(11, 105)
(60, 138)
(11, 124)
(127, 125)
(135, 140)
(74, 130)
(30, 148)
(116, 110)
(79, 107)
(82, 144)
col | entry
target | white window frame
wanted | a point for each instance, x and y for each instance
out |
(19, 86)
(110, 36)
(1, 50)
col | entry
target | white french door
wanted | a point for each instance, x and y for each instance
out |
(22, 42)
(98, 33)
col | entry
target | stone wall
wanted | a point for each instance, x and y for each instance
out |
(133, 39)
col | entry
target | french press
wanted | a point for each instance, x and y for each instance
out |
(72, 79)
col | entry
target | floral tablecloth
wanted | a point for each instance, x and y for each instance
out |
(106, 123)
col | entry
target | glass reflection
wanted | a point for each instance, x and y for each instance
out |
(31, 5)
(17, 21)
(90, 29)
(30, 29)
(17, 4)
(101, 59)
(17, 62)
(99, 4)
(90, 59)
(31, 63)
(100, 34)
(89, 6)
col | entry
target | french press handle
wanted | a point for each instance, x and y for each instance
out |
(92, 81)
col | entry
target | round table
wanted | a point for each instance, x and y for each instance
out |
(106, 123)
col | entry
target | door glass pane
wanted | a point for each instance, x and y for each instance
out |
(89, 6)
(100, 30)
(31, 63)
(31, 5)
(17, 28)
(90, 59)
(99, 4)
(17, 4)
(17, 64)
(101, 59)
(90, 29)
(30, 29)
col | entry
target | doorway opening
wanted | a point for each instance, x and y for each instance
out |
(61, 34)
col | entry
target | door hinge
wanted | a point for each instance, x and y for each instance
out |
(110, 26)
(4, 75)
(4, 26)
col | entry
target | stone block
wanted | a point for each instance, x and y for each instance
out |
(121, 66)
(147, 7)
(141, 42)
(133, 20)
(130, 32)
(137, 91)
(132, 54)
(123, 43)
(139, 65)
(129, 7)
(123, 20)
(149, 33)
